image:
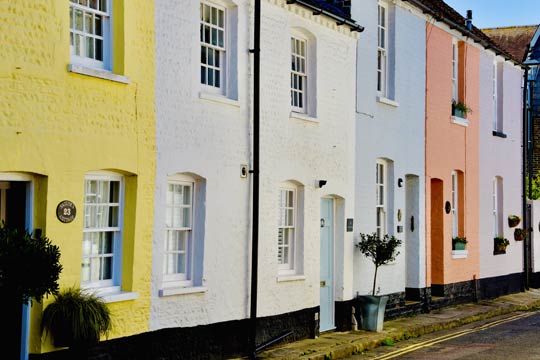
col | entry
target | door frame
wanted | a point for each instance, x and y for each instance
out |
(333, 258)
(29, 222)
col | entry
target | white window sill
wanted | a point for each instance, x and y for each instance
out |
(459, 254)
(218, 99)
(286, 278)
(460, 121)
(102, 74)
(182, 290)
(303, 117)
(123, 296)
(387, 101)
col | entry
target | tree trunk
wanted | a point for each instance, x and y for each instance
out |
(374, 280)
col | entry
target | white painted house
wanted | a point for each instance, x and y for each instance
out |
(204, 115)
(390, 118)
(500, 180)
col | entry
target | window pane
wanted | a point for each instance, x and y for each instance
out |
(177, 217)
(214, 16)
(78, 43)
(203, 55)
(186, 216)
(90, 47)
(207, 13)
(221, 21)
(211, 57)
(88, 23)
(115, 191)
(113, 216)
(107, 242)
(203, 75)
(214, 36)
(78, 20)
(210, 77)
(99, 49)
(217, 78)
(85, 270)
(107, 268)
(94, 4)
(98, 25)
(220, 38)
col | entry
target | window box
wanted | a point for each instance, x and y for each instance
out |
(459, 243)
(460, 109)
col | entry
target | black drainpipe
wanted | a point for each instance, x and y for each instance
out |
(255, 171)
(525, 125)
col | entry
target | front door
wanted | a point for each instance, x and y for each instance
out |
(14, 212)
(327, 265)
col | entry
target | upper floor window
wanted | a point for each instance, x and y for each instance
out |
(382, 49)
(299, 74)
(498, 69)
(455, 204)
(213, 46)
(455, 71)
(494, 96)
(90, 33)
(102, 231)
(381, 198)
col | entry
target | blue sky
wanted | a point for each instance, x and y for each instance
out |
(497, 13)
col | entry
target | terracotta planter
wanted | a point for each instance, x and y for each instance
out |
(520, 234)
(513, 222)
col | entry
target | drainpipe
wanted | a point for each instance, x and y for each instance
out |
(526, 242)
(255, 171)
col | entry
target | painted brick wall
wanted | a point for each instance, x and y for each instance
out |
(500, 157)
(212, 138)
(449, 147)
(391, 132)
(62, 125)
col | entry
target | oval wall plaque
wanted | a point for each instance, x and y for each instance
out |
(66, 211)
(448, 207)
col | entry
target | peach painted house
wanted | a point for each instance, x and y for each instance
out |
(454, 48)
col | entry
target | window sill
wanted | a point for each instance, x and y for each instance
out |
(98, 73)
(460, 254)
(303, 117)
(218, 99)
(387, 101)
(460, 121)
(499, 134)
(182, 290)
(122, 296)
(287, 278)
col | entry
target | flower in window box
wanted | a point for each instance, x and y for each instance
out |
(520, 234)
(500, 243)
(513, 220)
(459, 243)
(460, 109)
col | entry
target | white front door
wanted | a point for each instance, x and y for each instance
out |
(327, 265)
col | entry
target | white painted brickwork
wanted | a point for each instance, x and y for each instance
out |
(212, 139)
(500, 157)
(394, 133)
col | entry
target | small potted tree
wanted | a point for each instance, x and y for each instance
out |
(459, 243)
(76, 319)
(380, 251)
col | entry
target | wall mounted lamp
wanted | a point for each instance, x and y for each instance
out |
(322, 183)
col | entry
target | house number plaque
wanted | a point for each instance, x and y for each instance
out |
(66, 211)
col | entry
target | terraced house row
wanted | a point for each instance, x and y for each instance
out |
(395, 117)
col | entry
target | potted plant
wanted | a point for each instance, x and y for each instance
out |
(520, 234)
(76, 319)
(459, 243)
(380, 251)
(500, 243)
(513, 220)
(460, 109)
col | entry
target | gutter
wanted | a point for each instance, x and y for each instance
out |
(320, 11)
(463, 29)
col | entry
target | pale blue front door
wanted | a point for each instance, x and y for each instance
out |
(327, 265)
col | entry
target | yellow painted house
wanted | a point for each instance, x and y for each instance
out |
(77, 129)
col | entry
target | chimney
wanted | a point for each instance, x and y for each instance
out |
(468, 22)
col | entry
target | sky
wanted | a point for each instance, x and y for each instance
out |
(499, 13)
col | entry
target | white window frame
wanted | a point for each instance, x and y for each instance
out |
(497, 186)
(112, 284)
(284, 228)
(89, 34)
(181, 277)
(494, 96)
(455, 204)
(455, 70)
(209, 66)
(382, 49)
(381, 210)
(299, 74)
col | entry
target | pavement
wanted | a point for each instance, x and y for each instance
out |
(338, 345)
